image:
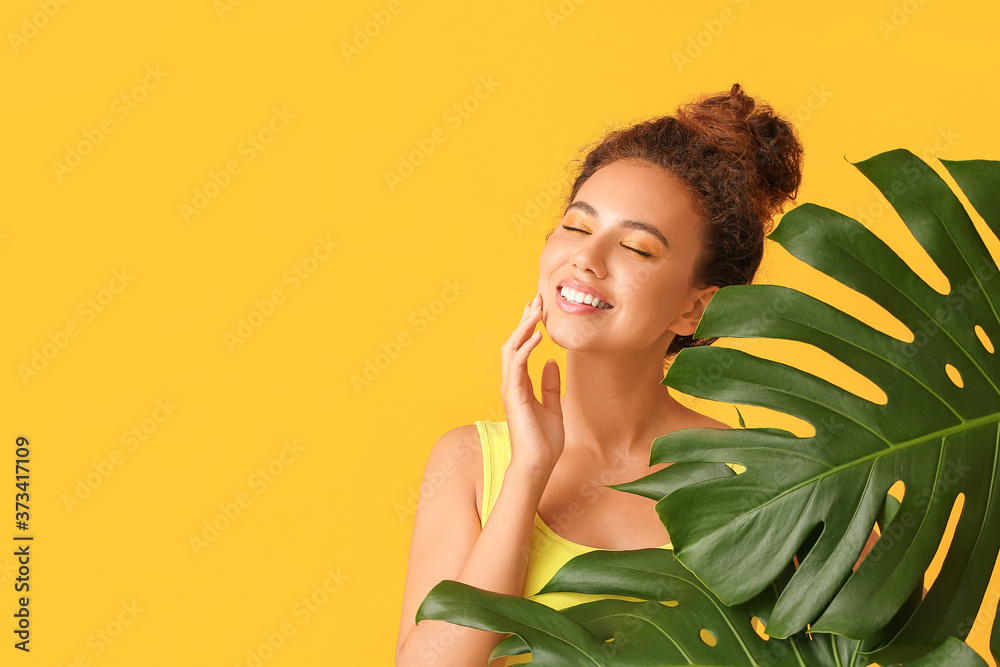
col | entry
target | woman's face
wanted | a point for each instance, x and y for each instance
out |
(631, 238)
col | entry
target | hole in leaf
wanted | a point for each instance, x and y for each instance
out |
(954, 375)
(670, 603)
(984, 339)
(708, 637)
(949, 532)
(737, 468)
(894, 498)
(808, 543)
(758, 627)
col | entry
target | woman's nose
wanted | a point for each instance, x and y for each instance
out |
(590, 256)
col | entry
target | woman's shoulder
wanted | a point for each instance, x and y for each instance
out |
(457, 457)
(458, 443)
(457, 448)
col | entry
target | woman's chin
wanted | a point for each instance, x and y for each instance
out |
(572, 338)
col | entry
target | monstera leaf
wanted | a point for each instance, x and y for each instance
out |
(679, 621)
(935, 434)
(780, 540)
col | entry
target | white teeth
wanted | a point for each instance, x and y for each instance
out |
(571, 294)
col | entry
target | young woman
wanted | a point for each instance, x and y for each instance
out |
(661, 215)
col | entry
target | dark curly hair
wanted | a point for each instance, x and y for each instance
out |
(740, 161)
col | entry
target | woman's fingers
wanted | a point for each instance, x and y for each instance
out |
(514, 352)
(508, 348)
(517, 369)
(550, 386)
(517, 336)
(521, 356)
(529, 318)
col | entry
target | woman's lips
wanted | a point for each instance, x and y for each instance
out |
(574, 307)
(581, 287)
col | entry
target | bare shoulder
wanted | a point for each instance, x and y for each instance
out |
(457, 456)
(457, 446)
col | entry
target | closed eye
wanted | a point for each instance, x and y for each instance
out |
(629, 248)
(638, 252)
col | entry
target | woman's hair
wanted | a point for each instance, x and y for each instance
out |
(740, 161)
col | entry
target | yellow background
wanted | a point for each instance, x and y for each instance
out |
(859, 77)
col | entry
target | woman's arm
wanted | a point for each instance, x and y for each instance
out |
(447, 541)
(448, 544)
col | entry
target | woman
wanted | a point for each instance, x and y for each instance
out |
(661, 215)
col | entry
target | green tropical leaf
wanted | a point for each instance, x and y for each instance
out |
(952, 653)
(661, 483)
(554, 638)
(677, 622)
(995, 636)
(939, 437)
(513, 645)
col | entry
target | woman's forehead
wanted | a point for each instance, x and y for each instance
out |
(637, 191)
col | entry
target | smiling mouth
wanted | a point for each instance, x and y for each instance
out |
(582, 298)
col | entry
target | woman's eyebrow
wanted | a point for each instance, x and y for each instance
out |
(624, 222)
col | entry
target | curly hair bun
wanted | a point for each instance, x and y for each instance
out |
(753, 135)
(740, 161)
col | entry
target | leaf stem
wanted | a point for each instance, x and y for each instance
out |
(798, 654)
(836, 653)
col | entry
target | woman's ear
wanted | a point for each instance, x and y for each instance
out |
(688, 322)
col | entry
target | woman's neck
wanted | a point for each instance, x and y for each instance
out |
(614, 404)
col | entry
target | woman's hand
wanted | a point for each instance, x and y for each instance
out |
(536, 429)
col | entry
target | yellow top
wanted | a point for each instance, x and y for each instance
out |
(549, 551)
